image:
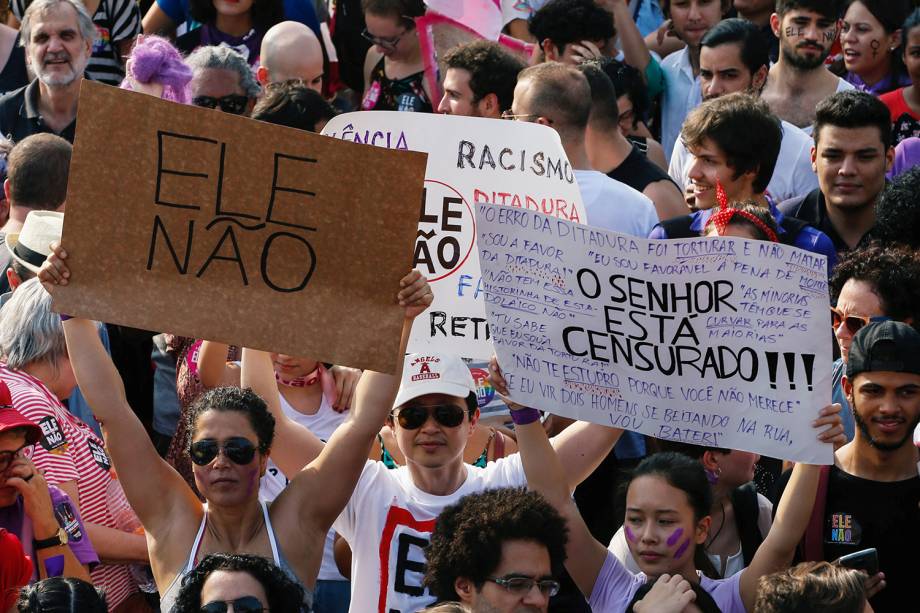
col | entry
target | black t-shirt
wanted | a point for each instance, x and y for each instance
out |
(637, 171)
(19, 116)
(14, 74)
(860, 514)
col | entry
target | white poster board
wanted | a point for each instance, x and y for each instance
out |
(719, 342)
(517, 164)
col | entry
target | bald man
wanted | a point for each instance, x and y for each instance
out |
(290, 50)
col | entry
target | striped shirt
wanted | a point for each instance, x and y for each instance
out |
(68, 450)
(115, 21)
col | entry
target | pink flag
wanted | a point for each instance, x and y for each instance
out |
(484, 17)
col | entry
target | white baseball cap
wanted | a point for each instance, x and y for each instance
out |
(434, 373)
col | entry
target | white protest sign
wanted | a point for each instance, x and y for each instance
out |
(470, 160)
(719, 342)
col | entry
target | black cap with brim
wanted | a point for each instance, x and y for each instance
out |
(890, 346)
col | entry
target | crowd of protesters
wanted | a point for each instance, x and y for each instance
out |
(143, 471)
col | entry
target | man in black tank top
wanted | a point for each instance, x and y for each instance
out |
(611, 153)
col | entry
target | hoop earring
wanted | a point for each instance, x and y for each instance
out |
(713, 475)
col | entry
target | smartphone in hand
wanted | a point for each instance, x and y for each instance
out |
(865, 560)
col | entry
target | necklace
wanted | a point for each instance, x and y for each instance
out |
(721, 525)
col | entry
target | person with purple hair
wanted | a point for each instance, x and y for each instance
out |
(155, 67)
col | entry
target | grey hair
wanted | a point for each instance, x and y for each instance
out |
(40, 7)
(222, 57)
(29, 330)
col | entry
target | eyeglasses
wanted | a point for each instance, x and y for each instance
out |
(522, 585)
(386, 43)
(238, 449)
(412, 417)
(246, 604)
(231, 103)
(509, 114)
(7, 457)
(854, 323)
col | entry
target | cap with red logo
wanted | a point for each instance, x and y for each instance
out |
(10, 418)
(434, 373)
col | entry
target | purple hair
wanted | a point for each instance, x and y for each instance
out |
(155, 60)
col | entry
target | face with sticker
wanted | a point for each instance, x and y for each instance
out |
(667, 506)
(868, 48)
(805, 37)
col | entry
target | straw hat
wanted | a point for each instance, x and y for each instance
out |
(32, 244)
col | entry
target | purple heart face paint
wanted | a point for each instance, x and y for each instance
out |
(682, 549)
(630, 536)
(675, 536)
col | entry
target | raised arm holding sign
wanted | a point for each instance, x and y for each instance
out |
(230, 437)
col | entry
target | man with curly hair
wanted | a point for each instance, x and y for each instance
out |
(873, 283)
(562, 26)
(497, 551)
(897, 214)
(479, 80)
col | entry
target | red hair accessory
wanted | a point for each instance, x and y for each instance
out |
(721, 198)
(723, 217)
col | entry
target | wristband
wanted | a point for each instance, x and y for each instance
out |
(65, 317)
(522, 417)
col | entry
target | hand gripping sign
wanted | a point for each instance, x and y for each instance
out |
(720, 342)
(515, 164)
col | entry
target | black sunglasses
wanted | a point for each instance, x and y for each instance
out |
(238, 449)
(412, 417)
(246, 604)
(232, 103)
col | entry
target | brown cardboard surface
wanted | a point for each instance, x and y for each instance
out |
(308, 268)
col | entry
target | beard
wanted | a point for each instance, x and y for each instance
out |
(864, 428)
(77, 66)
(803, 62)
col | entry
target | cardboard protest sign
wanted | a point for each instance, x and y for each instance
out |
(720, 342)
(210, 225)
(516, 164)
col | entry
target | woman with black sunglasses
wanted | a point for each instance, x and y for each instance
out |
(871, 284)
(394, 70)
(222, 80)
(230, 439)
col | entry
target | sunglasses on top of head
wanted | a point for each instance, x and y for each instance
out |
(854, 323)
(413, 417)
(238, 450)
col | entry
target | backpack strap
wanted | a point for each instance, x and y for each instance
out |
(679, 227)
(812, 545)
(747, 513)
